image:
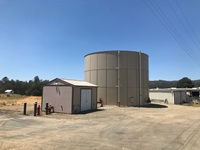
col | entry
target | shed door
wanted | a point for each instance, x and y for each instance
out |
(86, 96)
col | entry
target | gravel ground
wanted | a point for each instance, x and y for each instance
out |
(156, 127)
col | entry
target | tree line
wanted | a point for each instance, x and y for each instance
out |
(34, 87)
(28, 88)
(182, 83)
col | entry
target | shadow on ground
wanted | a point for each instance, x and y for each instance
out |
(150, 105)
(91, 111)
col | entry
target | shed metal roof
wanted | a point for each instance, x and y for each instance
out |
(77, 82)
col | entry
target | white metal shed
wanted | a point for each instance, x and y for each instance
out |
(70, 96)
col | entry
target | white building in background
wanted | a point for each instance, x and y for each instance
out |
(174, 95)
(9, 91)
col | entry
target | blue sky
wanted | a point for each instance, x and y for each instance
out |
(49, 38)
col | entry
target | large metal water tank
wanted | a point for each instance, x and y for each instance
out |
(122, 76)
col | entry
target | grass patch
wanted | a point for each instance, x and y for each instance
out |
(16, 99)
(11, 97)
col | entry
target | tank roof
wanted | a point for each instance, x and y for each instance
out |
(108, 51)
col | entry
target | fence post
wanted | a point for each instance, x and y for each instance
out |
(24, 108)
(35, 109)
(47, 110)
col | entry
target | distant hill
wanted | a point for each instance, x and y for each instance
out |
(168, 84)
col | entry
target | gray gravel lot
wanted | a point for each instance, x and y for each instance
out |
(155, 127)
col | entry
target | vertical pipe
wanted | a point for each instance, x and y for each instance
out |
(106, 87)
(24, 108)
(47, 106)
(140, 78)
(35, 109)
(118, 77)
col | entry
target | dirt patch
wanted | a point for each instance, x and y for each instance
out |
(109, 128)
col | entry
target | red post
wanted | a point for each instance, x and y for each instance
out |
(38, 110)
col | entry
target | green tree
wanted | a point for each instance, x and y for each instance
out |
(33, 87)
(36, 80)
(5, 84)
(36, 87)
(185, 83)
(5, 79)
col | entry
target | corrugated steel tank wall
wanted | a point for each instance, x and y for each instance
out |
(117, 74)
